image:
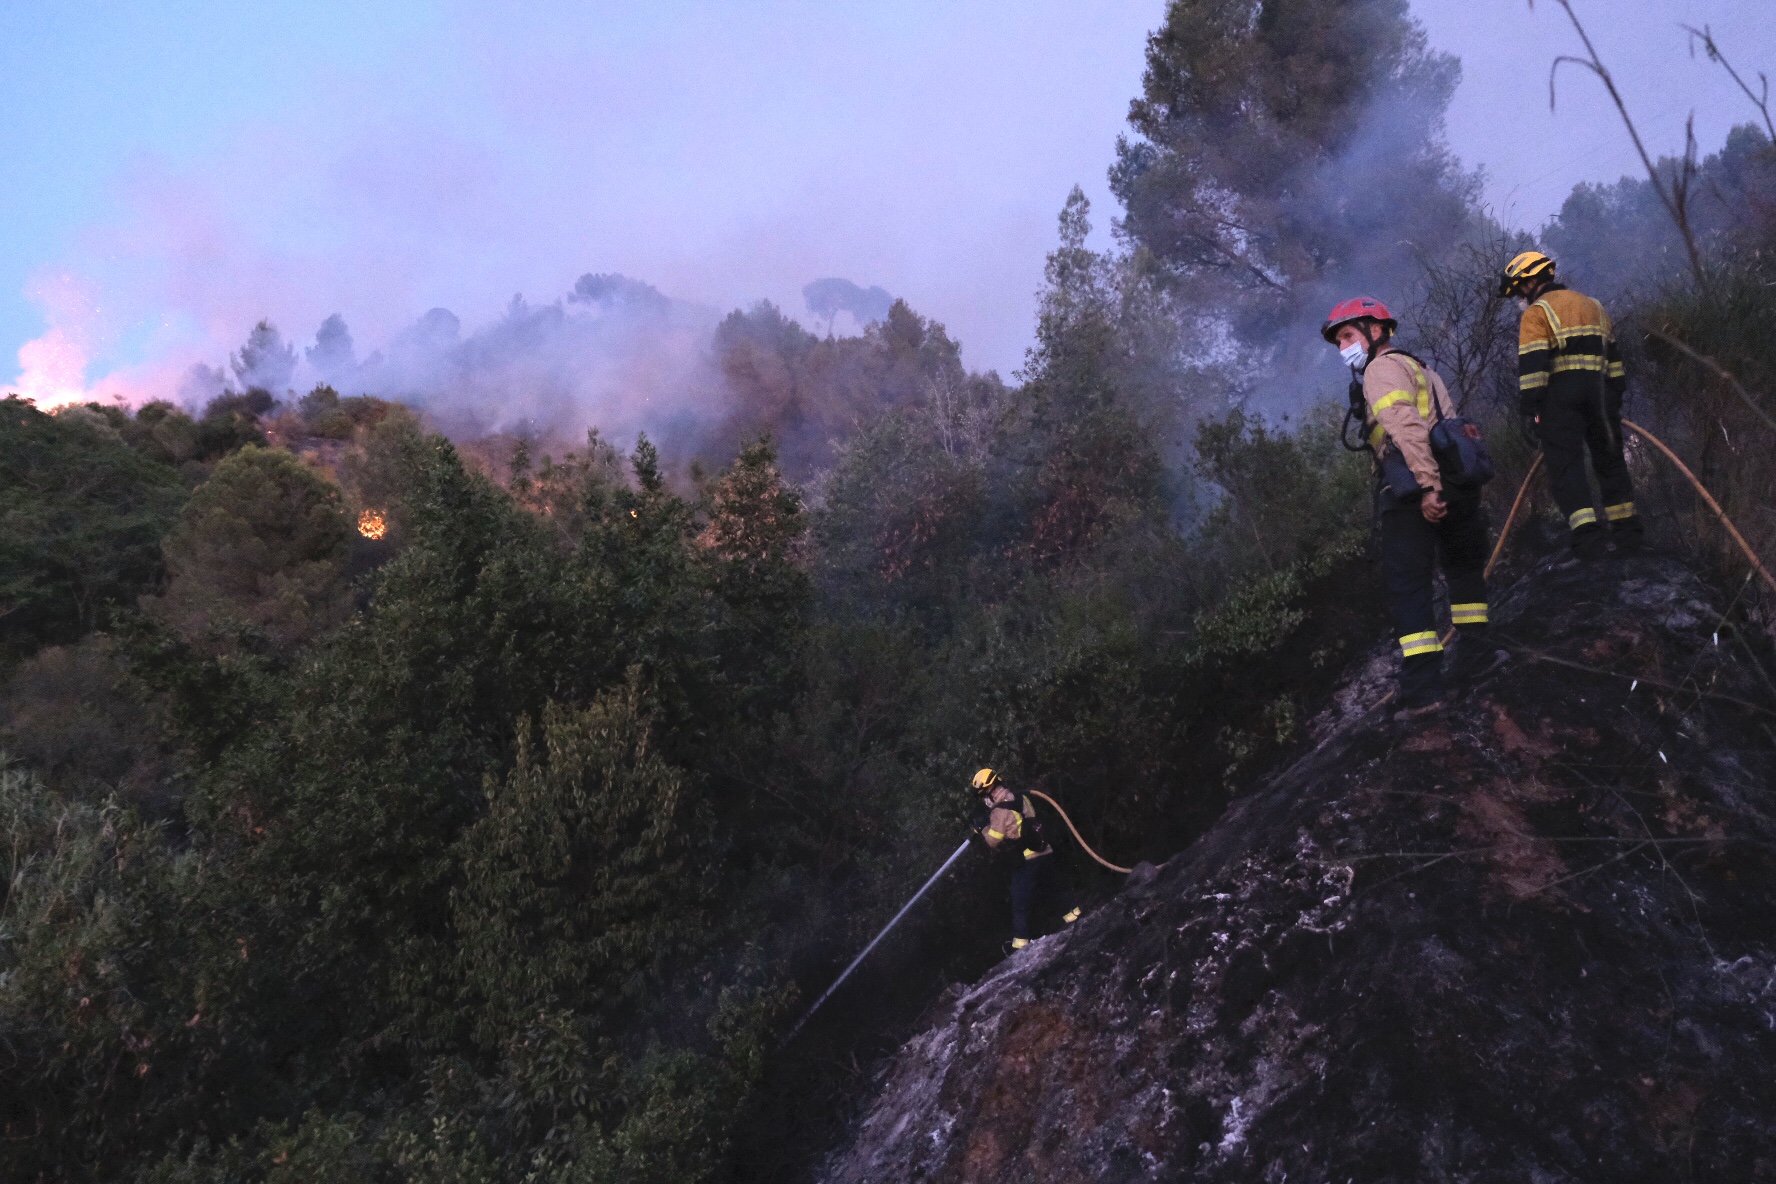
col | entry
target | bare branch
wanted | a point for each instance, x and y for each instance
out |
(1569, 60)
(1672, 197)
(1705, 35)
(1720, 371)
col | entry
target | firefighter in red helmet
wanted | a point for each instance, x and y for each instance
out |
(1421, 518)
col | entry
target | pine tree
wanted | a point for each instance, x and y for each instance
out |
(265, 362)
(262, 545)
(1285, 153)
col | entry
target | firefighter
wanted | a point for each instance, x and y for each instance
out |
(1420, 519)
(1570, 380)
(1005, 822)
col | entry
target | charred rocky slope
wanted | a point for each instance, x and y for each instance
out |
(1533, 941)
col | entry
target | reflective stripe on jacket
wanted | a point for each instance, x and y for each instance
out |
(1012, 827)
(1566, 338)
(1403, 399)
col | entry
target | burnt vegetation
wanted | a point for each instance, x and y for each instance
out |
(506, 844)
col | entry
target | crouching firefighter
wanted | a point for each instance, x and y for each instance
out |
(1421, 517)
(1005, 823)
(1570, 381)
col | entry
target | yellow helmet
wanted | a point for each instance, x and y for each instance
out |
(1522, 269)
(984, 780)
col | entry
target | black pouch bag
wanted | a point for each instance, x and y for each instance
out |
(1457, 443)
(1461, 452)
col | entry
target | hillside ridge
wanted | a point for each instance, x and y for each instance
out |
(1528, 941)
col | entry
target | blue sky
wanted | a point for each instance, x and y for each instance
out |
(176, 170)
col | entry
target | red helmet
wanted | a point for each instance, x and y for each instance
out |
(1355, 309)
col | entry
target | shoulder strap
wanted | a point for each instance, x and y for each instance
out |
(1428, 406)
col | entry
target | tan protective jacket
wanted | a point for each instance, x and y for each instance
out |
(1400, 395)
(1012, 823)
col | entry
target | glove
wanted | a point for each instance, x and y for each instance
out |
(1531, 426)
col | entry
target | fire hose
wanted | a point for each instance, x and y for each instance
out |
(875, 941)
(1708, 499)
(1077, 837)
(926, 887)
(1498, 550)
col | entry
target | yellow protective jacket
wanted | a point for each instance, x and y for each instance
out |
(1565, 341)
(1404, 399)
(1011, 827)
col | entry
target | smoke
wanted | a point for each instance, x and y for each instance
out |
(53, 367)
(1370, 213)
(1368, 246)
(613, 353)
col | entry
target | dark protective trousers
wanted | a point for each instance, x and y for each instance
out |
(1580, 417)
(1410, 550)
(1038, 878)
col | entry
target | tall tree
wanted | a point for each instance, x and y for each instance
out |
(1285, 151)
(333, 356)
(80, 523)
(261, 544)
(265, 361)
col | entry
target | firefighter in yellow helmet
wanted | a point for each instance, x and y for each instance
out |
(1570, 381)
(1005, 823)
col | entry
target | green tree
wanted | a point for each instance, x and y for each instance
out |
(261, 545)
(230, 421)
(753, 546)
(163, 433)
(80, 526)
(1286, 152)
(264, 361)
(578, 887)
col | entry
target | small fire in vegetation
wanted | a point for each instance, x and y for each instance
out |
(372, 525)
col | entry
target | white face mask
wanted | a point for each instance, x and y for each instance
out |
(1355, 355)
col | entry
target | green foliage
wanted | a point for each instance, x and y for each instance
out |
(259, 546)
(1616, 241)
(231, 421)
(807, 392)
(577, 881)
(1706, 381)
(1282, 497)
(323, 414)
(92, 1007)
(79, 717)
(81, 526)
(165, 434)
(1264, 132)
(902, 519)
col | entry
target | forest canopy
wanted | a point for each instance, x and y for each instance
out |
(391, 803)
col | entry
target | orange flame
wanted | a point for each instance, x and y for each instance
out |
(372, 525)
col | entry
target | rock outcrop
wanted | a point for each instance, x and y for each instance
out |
(1533, 940)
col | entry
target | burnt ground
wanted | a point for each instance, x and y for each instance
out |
(1533, 940)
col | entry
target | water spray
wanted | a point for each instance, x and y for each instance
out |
(874, 942)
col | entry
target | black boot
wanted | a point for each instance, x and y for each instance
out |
(1589, 544)
(1421, 687)
(1628, 535)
